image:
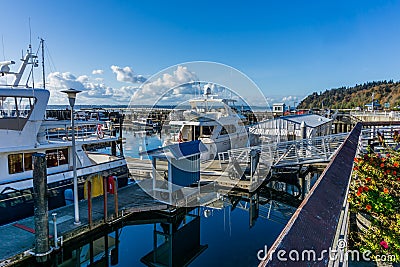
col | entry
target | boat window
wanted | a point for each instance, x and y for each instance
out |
(223, 131)
(56, 157)
(15, 111)
(196, 133)
(28, 164)
(12, 107)
(15, 163)
(19, 162)
(207, 130)
(228, 129)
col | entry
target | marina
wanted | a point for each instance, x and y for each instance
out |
(140, 206)
(277, 146)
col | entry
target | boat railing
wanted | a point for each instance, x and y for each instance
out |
(84, 131)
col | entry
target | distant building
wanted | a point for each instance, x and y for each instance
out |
(373, 106)
(288, 128)
(278, 109)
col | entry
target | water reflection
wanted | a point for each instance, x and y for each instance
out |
(229, 231)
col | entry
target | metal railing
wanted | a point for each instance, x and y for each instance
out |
(303, 151)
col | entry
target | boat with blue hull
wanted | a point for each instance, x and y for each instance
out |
(24, 130)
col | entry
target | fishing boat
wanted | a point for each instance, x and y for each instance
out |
(24, 130)
(211, 120)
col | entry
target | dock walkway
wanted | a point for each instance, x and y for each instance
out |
(19, 237)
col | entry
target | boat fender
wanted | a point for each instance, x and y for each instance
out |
(180, 139)
(99, 131)
(111, 184)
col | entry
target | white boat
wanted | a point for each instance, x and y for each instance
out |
(24, 131)
(211, 120)
(145, 123)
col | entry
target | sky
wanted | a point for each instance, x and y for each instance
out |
(289, 49)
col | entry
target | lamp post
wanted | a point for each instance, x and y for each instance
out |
(71, 97)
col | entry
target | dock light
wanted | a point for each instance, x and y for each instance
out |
(71, 93)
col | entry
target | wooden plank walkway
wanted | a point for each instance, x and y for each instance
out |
(18, 237)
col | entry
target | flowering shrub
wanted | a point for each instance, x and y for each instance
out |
(375, 192)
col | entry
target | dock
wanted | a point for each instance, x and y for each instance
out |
(19, 236)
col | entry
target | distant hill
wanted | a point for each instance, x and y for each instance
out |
(357, 96)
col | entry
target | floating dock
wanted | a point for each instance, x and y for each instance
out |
(20, 235)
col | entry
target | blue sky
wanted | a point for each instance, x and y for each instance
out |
(288, 48)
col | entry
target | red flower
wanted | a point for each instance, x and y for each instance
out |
(358, 193)
(366, 188)
(368, 207)
(384, 244)
(396, 164)
(394, 173)
(368, 179)
(382, 165)
(355, 159)
(386, 191)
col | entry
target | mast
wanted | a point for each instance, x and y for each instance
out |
(25, 61)
(44, 77)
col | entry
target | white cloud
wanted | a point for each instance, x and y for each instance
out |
(171, 86)
(92, 92)
(126, 74)
(289, 98)
(98, 72)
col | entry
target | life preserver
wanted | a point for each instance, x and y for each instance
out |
(180, 139)
(99, 131)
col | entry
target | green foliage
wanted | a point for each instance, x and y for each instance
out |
(375, 192)
(357, 96)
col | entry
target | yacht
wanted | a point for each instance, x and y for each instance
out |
(144, 123)
(24, 130)
(211, 120)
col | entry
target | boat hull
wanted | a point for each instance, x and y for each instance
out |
(18, 204)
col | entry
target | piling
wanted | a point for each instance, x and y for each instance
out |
(114, 144)
(121, 122)
(89, 189)
(40, 207)
(105, 184)
(115, 181)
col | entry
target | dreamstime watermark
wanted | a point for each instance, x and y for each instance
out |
(341, 253)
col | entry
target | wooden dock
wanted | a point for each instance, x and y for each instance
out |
(19, 237)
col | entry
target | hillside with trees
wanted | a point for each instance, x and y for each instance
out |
(357, 96)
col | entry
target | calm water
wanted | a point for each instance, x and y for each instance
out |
(228, 234)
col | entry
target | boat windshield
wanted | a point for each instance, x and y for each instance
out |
(194, 132)
(15, 111)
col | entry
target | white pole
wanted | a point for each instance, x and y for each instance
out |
(76, 203)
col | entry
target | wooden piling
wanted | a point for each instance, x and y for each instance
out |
(105, 184)
(89, 188)
(40, 207)
(115, 181)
